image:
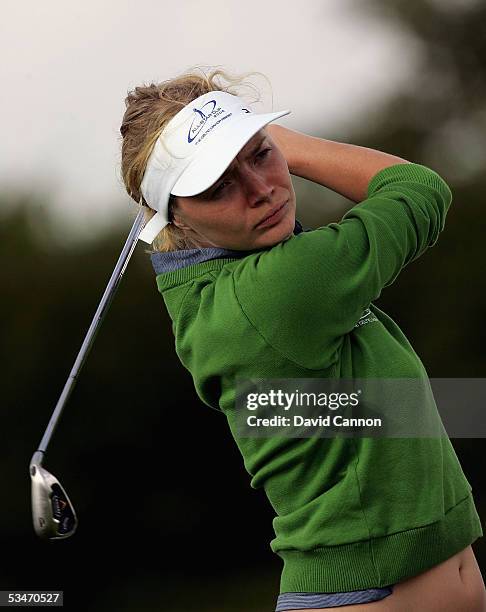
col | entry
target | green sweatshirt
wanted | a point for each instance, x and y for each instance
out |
(351, 513)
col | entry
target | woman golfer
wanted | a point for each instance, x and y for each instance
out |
(371, 523)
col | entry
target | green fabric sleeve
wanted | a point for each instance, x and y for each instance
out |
(306, 293)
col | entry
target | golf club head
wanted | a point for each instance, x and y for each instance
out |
(52, 512)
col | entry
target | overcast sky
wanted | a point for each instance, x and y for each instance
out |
(66, 68)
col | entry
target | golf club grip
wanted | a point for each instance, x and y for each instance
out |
(101, 311)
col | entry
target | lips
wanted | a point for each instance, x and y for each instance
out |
(272, 212)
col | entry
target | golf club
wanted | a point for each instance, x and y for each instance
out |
(52, 511)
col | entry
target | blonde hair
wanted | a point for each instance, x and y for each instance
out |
(148, 110)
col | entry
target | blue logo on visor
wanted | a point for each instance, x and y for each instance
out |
(199, 121)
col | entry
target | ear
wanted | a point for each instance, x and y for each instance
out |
(178, 222)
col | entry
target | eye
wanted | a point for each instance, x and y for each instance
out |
(263, 153)
(220, 189)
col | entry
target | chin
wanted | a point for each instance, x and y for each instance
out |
(271, 238)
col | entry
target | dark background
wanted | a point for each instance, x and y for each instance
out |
(168, 520)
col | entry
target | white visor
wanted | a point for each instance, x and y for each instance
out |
(194, 149)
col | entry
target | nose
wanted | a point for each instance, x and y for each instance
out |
(259, 187)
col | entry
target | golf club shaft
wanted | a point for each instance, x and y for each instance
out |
(92, 331)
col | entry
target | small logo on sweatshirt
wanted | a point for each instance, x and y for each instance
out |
(366, 317)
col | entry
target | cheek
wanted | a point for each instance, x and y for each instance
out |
(222, 221)
(282, 170)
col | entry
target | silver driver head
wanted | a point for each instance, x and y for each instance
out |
(52, 512)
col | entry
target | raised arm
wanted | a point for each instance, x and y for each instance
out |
(344, 168)
(305, 294)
